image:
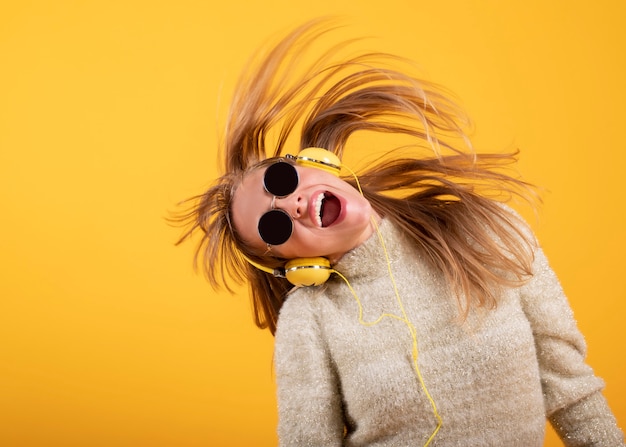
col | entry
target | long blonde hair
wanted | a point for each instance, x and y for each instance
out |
(444, 201)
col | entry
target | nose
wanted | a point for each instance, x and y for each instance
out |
(294, 204)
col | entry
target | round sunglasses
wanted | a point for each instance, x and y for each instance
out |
(280, 180)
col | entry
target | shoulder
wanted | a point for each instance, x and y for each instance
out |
(313, 308)
(517, 221)
(301, 305)
(300, 327)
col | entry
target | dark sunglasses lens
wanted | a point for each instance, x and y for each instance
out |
(275, 227)
(281, 179)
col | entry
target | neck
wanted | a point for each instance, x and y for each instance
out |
(375, 220)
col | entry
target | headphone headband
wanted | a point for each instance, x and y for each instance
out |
(279, 273)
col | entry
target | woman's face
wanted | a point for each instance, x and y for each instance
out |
(341, 224)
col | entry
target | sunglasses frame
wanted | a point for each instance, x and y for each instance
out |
(276, 212)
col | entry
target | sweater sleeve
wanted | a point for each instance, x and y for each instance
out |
(574, 403)
(309, 400)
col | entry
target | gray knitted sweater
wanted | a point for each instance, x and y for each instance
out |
(494, 377)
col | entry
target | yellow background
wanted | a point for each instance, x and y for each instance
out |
(109, 114)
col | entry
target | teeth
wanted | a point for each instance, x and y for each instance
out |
(318, 209)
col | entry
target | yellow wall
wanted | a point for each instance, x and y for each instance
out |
(107, 118)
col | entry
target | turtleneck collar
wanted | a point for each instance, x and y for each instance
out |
(369, 257)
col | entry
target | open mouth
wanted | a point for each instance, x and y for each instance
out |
(327, 209)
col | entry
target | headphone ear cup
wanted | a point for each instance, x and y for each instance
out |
(304, 272)
(317, 157)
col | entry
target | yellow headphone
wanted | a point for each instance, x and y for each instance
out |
(304, 272)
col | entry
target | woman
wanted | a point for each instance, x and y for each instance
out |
(437, 320)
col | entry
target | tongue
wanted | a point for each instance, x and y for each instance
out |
(331, 207)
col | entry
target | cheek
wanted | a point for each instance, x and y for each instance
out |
(245, 223)
(249, 202)
(359, 210)
(250, 234)
(303, 244)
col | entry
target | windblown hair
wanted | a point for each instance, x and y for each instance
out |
(444, 201)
